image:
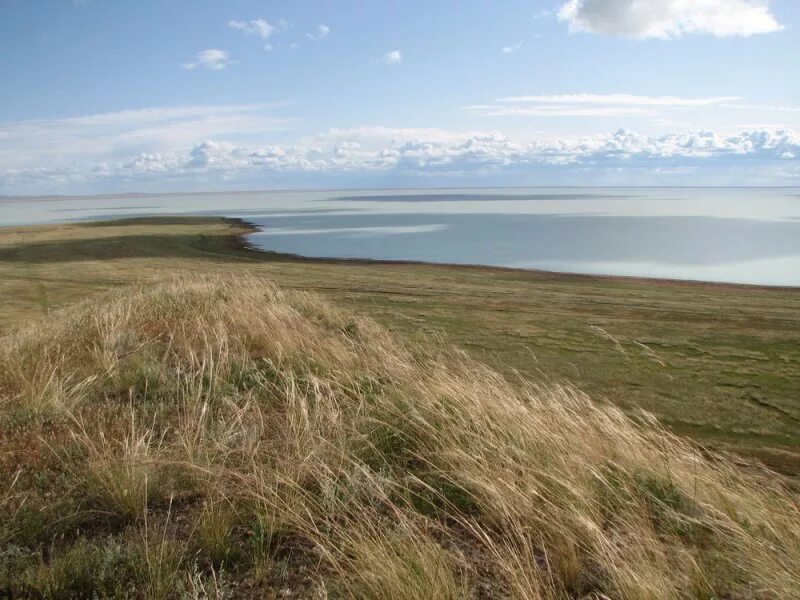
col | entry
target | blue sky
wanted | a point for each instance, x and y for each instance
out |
(104, 96)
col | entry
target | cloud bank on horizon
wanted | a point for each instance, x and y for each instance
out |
(422, 112)
(82, 155)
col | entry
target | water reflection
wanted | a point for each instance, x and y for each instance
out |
(578, 243)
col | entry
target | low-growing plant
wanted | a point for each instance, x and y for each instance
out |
(101, 568)
(212, 532)
(160, 561)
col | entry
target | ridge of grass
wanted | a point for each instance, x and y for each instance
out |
(216, 436)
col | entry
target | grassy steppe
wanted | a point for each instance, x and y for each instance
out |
(216, 437)
(719, 363)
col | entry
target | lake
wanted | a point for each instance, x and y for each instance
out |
(740, 235)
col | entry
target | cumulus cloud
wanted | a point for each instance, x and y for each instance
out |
(260, 27)
(212, 59)
(322, 32)
(393, 57)
(183, 147)
(381, 152)
(669, 18)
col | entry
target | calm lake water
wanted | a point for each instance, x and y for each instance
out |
(714, 234)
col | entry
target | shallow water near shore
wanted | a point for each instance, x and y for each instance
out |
(737, 235)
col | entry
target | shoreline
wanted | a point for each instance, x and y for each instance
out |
(243, 243)
(717, 362)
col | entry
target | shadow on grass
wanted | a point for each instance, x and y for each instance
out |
(118, 247)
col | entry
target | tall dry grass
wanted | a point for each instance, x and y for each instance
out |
(277, 421)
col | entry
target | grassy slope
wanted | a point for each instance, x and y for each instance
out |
(721, 363)
(217, 437)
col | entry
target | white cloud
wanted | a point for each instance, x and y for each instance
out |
(164, 147)
(615, 99)
(235, 139)
(394, 57)
(113, 137)
(260, 27)
(511, 49)
(489, 110)
(212, 59)
(593, 105)
(381, 148)
(322, 32)
(764, 107)
(669, 18)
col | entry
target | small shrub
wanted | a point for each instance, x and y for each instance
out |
(87, 569)
(207, 585)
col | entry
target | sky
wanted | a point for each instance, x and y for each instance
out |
(113, 96)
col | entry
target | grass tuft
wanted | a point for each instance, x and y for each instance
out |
(118, 473)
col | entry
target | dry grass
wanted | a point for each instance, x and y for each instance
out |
(162, 557)
(292, 444)
(718, 363)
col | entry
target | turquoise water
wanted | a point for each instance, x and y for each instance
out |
(742, 235)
